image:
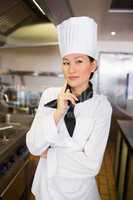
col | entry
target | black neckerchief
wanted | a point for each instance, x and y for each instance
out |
(69, 117)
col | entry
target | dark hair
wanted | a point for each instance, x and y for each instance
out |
(91, 60)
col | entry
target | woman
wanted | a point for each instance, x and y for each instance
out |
(71, 126)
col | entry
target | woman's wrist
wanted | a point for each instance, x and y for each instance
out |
(57, 116)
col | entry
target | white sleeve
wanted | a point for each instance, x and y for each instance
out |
(43, 131)
(88, 162)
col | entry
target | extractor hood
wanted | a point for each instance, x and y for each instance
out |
(17, 13)
(56, 10)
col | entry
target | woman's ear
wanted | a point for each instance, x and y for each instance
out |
(94, 66)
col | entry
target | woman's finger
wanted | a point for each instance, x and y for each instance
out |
(64, 87)
(69, 93)
(44, 154)
(70, 99)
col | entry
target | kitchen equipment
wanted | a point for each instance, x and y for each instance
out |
(14, 163)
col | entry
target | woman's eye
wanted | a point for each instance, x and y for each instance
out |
(65, 63)
(79, 61)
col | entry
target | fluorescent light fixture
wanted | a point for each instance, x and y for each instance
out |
(120, 11)
(113, 33)
(38, 7)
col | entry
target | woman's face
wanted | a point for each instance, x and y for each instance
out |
(77, 69)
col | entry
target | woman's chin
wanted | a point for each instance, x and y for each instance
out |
(72, 83)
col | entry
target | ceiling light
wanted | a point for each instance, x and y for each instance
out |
(38, 7)
(113, 33)
(35, 74)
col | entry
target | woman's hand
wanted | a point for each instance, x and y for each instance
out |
(63, 97)
(62, 102)
(44, 154)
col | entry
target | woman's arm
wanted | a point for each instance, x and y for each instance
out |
(88, 162)
(43, 131)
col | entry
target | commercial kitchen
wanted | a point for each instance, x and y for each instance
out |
(30, 63)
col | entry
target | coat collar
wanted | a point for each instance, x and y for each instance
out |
(85, 95)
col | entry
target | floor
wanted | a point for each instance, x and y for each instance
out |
(105, 179)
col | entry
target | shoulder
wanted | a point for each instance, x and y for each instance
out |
(50, 94)
(102, 103)
(51, 90)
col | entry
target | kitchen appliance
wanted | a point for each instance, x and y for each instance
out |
(15, 176)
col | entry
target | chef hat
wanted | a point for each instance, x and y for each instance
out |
(78, 35)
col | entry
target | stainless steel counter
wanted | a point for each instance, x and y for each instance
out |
(126, 128)
(14, 159)
(124, 159)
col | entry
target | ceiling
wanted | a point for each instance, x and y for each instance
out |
(34, 28)
(120, 22)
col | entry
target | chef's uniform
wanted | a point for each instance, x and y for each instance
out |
(73, 160)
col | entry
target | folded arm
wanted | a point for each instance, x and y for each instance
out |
(44, 132)
(88, 162)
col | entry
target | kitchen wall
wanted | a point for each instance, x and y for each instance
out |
(31, 58)
(46, 58)
(38, 59)
(115, 46)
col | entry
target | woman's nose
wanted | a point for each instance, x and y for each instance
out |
(71, 68)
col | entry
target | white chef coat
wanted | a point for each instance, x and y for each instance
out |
(68, 172)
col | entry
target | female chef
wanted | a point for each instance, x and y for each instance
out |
(71, 126)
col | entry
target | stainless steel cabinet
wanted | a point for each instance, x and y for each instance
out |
(129, 180)
(123, 168)
(117, 157)
(17, 188)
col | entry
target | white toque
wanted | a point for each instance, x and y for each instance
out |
(78, 35)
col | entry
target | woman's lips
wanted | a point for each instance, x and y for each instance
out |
(72, 77)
